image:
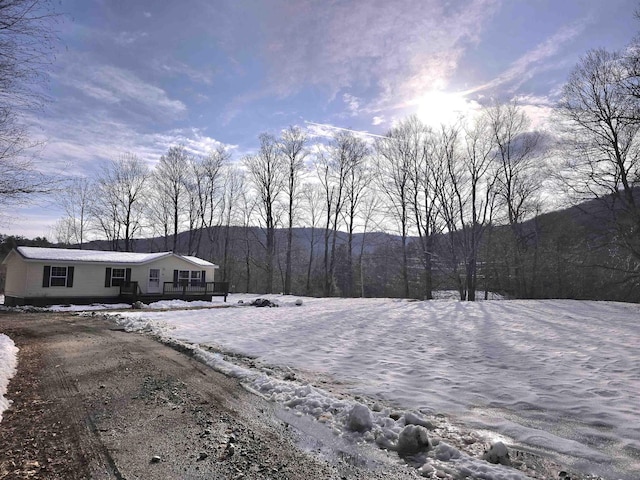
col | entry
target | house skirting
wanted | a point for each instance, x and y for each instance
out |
(10, 301)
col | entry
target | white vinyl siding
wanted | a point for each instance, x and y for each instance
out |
(25, 278)
(16, 280)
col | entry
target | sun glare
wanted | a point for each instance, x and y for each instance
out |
(435, 107)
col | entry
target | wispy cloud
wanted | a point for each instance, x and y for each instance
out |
(194, 140)
(534, 61)
(353, 103)
(80, 147)
(115, 86)
(125, 39)
(397, 48)
(328, 131)
(174, 68)
(538, 108)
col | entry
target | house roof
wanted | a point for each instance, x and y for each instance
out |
(99, 256)
(197, 261)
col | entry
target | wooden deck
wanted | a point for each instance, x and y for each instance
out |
(131, 292)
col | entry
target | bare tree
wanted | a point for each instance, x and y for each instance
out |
(267, 174)
(417, 144)
(19, 178)
(324, 171)
(77, 201)
(333, 167)
(204, 197)
(519, 180)
(448, 170)
(630, 58)
(393, 174)
(248, 206)
(234, 192)
(118, 209)
(314, 203)
(475, 193)
(158, 215)
(371, 204)
(601, 125)
(27, 44)
(357, 180)
(194, 205)
(466, 183)
(293, 148)
(209, 188)
(64, 231)
(170, 178)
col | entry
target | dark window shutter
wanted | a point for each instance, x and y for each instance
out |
(127, 275)
(70, 276)
(107, 277)
(204, 277)
(175, 278)
(46, 276)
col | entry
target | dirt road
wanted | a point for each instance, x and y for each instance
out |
(91, 401)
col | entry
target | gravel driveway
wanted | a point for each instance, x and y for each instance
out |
(91, 401)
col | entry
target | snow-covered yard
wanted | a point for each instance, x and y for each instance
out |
(557, 377)
(560, 377)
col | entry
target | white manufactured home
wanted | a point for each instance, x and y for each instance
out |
(47, 276)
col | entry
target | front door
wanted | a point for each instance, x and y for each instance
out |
(153, 286)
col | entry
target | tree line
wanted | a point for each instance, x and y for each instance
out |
(461, 199)
(415, 181)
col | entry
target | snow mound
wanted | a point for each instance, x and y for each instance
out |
(8, 365)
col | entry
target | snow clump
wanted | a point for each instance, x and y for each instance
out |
(413, 439)
(359, 419)
(497, 454)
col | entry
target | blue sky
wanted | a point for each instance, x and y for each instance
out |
(141, 75)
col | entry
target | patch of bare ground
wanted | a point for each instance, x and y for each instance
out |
(91, 401)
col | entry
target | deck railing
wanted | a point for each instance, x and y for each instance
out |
(131, 290)
(186, 288)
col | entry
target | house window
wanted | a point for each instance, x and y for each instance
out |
(58, 277)
(186, 278)
(117, 277)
